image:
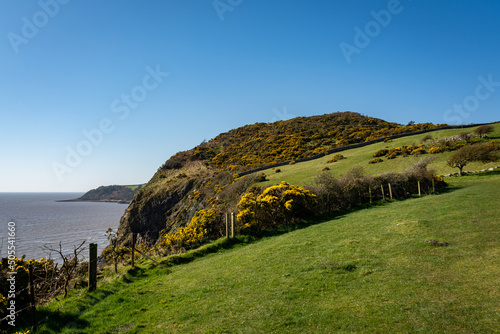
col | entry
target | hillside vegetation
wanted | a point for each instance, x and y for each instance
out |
(204, 177)
(267, 143)
(305, 172)
(189, 184)
(427, 265)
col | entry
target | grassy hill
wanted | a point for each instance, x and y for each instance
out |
(304, 173)
(204, 177)
(425, 265)
(365, 271)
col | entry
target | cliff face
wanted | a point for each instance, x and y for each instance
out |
(148, 212)
(166, 202)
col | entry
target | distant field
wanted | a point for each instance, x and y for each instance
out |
(304, 173)
(368, 271)
(134, 187)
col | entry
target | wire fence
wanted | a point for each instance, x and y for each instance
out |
(30, 283)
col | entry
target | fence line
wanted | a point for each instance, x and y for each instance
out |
(30, 300)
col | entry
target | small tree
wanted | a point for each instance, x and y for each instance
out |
(426, 138)
(484, 130)
(465, 136)
(113, 252)
(482, 152)
(70, 262)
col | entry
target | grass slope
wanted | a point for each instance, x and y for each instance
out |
(365, 271)
(305, 172)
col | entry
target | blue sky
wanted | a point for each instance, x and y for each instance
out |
(103, 92)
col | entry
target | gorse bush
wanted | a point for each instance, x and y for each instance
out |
(336, 158)
(374, 161)
(191, 235)
(47, 278)
(443, 145)
(380, 153)
(276, 206)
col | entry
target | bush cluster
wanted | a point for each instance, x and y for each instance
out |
(336, 158)
(444, 145)
(191, 235)
(42, 269)
(273, 207)
(354, 189)
(374, 161)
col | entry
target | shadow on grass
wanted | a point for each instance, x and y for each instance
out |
(133, 273)
(56, 322)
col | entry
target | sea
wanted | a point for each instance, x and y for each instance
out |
(42, 223)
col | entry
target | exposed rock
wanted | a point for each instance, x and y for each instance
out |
(149, 212)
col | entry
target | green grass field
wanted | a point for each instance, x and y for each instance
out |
(367, 271)
(134, 186)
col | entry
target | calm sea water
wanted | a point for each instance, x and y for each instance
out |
(40, 220)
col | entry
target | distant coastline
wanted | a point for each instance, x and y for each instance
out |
(95, 200)
(110, 194)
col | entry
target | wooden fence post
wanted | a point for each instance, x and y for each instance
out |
(133, 249)
(227, 224)
(232, 224)
(92, 267)
(370, 191)
(383, 196)
(433, 186)
(32, 295)
(390, 190)
(419, 194)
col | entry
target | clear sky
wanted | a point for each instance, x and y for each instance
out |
(104, 92)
